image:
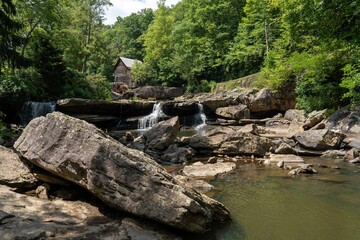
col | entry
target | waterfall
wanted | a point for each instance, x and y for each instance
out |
(31, 110)
(200, 118)
(150, 120)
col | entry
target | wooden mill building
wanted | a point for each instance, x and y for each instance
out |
(122, 71)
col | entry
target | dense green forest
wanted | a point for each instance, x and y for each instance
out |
(54, 49)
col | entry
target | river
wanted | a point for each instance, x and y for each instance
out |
(265, 203)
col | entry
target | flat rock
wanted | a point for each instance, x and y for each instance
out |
(319, 139)
(123, 178)
(240, 143)
(199, 169)
(24, 217)
(121, 108)
(13, 171)
(234, 112)
(287, 159)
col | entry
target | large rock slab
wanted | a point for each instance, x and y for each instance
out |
(199, 169)
(157, 92)
(234, 112)
(322, 140)
(123, 178)
(25, 217)
(240, 143)
(232, 143)
(121, 109)
(175, 108)
(13, 171)
(162, 135)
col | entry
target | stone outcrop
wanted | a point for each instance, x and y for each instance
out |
(176, 154)
(13, 171)
(162, 135)
(25, 217)
(239, 143)
(234, 112)
(123, 178)
(345, 120)
(157, 92)
(232, 143)
(174, 108)
(267, 101)
(121, 109)
(319, 139)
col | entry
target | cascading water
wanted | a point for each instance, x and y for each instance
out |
(200, 118)
(150, 120)
(31, 110)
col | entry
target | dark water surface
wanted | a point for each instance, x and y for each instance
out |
(265, 203)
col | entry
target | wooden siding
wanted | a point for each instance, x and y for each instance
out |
(122, 74)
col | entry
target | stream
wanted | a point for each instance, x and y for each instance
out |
(265, 203)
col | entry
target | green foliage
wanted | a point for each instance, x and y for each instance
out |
(143, 74)
(207, 86)
(6, 133)
(79, 85)
(351, 82)
(15, 90)
(50, 66)
(9, 37)
(128, 31)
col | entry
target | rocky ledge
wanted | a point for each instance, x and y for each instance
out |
(123, 178)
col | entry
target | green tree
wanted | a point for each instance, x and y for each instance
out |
(257, 33)
(50, 65)
(127, 32)
(9, 40)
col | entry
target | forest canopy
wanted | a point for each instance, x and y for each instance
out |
(53, 49)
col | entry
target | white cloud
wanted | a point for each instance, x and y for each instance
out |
(124, 8)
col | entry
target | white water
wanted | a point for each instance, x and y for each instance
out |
(31, 110)
(153, 118)
(200, 118)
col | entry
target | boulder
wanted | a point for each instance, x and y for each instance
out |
(234, 112)
(13, 171)
(319, 139)
(176, 154)
(303, 169)
(295, 114)
(239, 143)
(24, 217)
(351, 154)
(121, 109)
(232, 143)
(267, 101)
(162, 135)
(314, 118)
(345, 120)
(285, 148)
(123, 178)
(157, 92)
(199, 169)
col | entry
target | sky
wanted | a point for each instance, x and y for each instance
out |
(124, 8)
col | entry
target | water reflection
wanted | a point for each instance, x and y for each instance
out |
(265, 203)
